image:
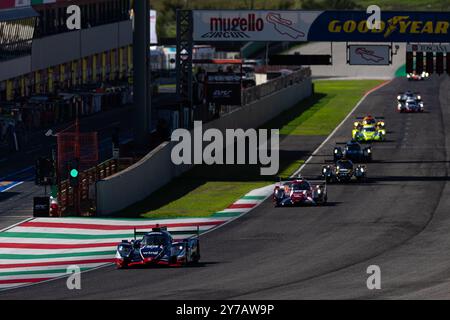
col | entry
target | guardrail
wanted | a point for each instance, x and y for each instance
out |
(256, 93)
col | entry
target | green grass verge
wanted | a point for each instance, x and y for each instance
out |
(430, 5)
(205, 190)
(206, 199)
(338, 99)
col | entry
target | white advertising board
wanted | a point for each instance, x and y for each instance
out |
(366, 54)
(444, 48)
(255, 25)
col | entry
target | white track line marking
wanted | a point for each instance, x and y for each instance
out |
(13, 186)
(16, 224)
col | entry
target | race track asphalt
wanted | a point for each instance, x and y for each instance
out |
(399, 220)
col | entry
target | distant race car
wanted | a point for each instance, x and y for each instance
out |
(369, 120)
(353, 151)
(343, 171)
(368, 133)
(409, 102)
(369, 129)
(413, 76)
(157, 247)
(299, 192)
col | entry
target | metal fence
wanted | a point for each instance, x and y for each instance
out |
(256, 93)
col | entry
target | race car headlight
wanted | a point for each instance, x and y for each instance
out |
(319, 191)
(382, 123)
(399, 97)
(356, 123)
(337, 168)
(180, 247)
(419, 97)
(362, 169)
(369, 150)
(399, 105)
(335, 151)
(408, 75)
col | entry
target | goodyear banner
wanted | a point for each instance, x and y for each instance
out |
(246, 25)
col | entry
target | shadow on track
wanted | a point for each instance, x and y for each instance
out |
(7, 195)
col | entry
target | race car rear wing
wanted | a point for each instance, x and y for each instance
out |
(314, 180)
(376, 117)
(195, 231)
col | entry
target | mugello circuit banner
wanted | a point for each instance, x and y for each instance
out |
(259, 25)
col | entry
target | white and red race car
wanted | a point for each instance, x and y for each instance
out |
(414, 76)
(299, 191)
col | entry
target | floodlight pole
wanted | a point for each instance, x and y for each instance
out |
(76, 189)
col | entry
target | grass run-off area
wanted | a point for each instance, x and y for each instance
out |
(338, 99)
(205, 190)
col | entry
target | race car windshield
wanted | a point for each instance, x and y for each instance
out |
(301, 186)
(371, 129)
(155, 240)
(353, 147)
(370, 121)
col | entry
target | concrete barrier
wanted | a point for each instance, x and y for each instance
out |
(156, 169)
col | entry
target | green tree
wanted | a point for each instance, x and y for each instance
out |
(329, 4)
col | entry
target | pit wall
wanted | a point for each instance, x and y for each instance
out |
(156, 169)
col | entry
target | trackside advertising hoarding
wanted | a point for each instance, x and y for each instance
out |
(9, 4)
(259, 25)
(369, 55)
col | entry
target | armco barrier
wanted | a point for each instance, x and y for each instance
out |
(156, 169)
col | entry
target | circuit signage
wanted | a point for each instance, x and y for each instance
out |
(300, 25)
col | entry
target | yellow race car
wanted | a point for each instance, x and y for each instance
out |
(369, 129)
(378, 122)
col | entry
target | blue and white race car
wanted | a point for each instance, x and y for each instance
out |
(409, 102)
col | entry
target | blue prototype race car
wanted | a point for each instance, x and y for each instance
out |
(157, 247)
(353, 151)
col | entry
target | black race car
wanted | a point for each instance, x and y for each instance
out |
(157, 247)
(344, 171)
(353, 151)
